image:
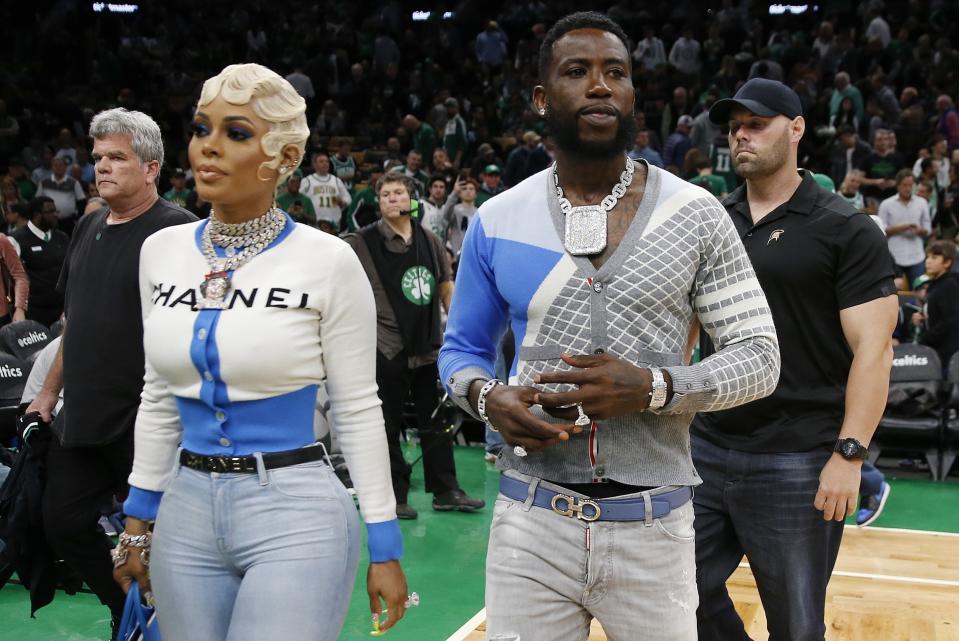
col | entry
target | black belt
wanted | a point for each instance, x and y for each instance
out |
(271, 460)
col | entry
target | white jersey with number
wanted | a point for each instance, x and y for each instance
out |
(323, 192)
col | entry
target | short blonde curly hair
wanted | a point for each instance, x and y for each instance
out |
(272, 98)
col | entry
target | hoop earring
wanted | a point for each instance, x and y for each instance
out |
(261, 178)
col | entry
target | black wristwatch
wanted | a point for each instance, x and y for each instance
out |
(851, 449)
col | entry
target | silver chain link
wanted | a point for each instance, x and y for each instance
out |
(253, 236)
(619, 189)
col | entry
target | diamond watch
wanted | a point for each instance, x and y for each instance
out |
(657, 394)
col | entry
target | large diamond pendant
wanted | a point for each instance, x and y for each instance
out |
(214, 289)
(585, 230)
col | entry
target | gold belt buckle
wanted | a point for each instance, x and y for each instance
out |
(575, 507)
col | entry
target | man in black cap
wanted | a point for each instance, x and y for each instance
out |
(782, 473)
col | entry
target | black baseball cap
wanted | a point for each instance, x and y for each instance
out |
(761, 96)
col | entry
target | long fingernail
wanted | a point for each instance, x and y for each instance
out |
(536, 379)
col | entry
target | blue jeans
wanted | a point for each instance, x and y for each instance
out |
(248, 557)
(548, 576)
(761, 506)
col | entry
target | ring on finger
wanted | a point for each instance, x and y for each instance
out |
(520, 451)
(583, 419)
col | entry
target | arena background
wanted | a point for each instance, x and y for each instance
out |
(64, 61)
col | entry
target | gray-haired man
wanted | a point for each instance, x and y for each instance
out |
(100, 362)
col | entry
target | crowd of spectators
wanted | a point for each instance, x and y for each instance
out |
(443, 95)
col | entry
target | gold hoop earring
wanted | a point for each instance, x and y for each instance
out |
(261, 178)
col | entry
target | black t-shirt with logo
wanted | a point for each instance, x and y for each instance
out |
(814, 256)
(103, 338)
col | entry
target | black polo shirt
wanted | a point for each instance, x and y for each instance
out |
(814, 256)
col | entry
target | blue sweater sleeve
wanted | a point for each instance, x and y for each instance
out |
(384, 541)
(478, 314)
(142, 504)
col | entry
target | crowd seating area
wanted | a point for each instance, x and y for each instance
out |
(877, 81)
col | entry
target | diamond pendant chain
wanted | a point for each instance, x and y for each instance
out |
(609, 202)
(252, 236)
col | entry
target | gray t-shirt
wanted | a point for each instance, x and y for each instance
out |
(41, 367)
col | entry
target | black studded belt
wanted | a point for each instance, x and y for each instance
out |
(247, 464)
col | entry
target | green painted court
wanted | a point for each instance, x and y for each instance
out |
(445, 556)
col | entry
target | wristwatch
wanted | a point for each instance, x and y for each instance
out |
(657, 395)
(851, 449)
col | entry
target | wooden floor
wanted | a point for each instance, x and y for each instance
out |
(889, 585)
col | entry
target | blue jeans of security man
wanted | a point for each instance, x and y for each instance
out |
(761, 506)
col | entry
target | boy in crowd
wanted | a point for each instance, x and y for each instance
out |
(939, 317)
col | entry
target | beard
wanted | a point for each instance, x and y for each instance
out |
(767, 163)
(564, 126)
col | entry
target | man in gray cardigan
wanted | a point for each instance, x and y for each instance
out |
(594, 517)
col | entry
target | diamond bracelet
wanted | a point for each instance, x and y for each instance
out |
(481, 400)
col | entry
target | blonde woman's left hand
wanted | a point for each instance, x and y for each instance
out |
(386, 584)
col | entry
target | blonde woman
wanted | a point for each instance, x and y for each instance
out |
(245, 314)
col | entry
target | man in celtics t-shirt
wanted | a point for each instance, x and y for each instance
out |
(344, 167)
(410, 273)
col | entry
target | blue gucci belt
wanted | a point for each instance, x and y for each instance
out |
(586, 509)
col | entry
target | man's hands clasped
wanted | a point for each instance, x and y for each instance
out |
(508, 409)
(607, 387)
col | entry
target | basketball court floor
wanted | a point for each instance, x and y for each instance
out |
(895, 581)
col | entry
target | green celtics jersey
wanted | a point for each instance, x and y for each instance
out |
(345, 170)
(722, 162)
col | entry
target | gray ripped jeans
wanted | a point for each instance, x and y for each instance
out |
(548, 576)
